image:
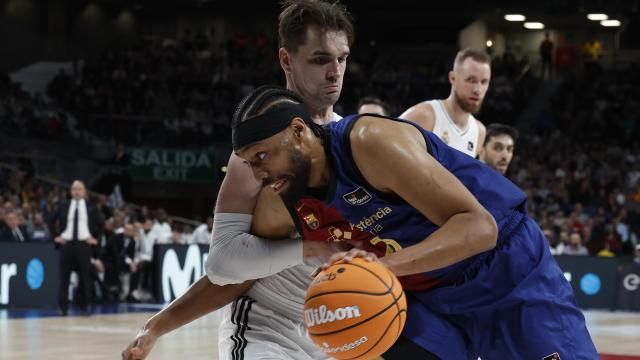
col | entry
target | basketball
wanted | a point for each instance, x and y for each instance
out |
(355, 310)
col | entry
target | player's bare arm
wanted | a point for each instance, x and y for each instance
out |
(271, 219)
(201, 298)
(421, 114)
(393, 158)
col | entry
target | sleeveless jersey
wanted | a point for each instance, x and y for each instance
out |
(316, 221)
(465, 140)
(393, 219)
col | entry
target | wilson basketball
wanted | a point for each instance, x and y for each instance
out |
(355, 310)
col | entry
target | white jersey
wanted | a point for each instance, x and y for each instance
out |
(268, 323)
(465, 140)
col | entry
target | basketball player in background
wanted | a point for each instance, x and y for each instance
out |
(452, 119)
(499, 145)
(315, 39)
(496, 290)
(372, 105)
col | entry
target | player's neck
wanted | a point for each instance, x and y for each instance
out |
(455, 112)
(319, 114)
(320, 173)
(322, 115)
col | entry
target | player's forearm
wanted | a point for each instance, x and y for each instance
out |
(202, 298)
(462, 236)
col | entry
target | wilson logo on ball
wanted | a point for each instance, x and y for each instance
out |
(322, 315)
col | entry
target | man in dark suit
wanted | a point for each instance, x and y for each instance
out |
(76, 225)
(119, 256)
(12, 231)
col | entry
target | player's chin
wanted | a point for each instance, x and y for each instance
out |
(330, 98)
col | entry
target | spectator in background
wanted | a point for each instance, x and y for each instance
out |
(140, 281)
(499, 145)
(78, 224)
(161, 230)
(575, 246)
(373, 105)
(119, 261)
(13, 232)
(555, 246)
(40, 231)
(546, 56)
(202, 234)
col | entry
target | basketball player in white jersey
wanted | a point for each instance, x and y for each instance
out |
(452, 118)
(315, 37)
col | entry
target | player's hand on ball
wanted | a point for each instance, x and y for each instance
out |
(346, 256)
(141, 346)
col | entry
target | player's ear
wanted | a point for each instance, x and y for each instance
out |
(452, 77)
(285, 59)
(298, 127)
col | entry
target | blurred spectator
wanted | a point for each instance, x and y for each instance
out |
(373, 105)
(202, 234)
(161, 231)
(118, 258)
(546, 56)
(13, 232)
(575, 246)
(40, 230)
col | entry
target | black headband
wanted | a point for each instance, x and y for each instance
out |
(266, 125)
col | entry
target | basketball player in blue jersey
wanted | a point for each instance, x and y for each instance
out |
(499, 294)
(452, 119)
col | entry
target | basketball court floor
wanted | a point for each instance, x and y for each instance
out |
(26, 335)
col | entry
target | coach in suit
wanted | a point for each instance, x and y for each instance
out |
(77, 224)
(12, 232)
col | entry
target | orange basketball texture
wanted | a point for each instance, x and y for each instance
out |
(355, 310)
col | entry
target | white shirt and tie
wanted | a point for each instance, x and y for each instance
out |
(83, 221)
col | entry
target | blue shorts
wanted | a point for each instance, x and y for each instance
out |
(512, 302)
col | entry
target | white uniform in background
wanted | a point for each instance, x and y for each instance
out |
(465, 140)
(201, 235)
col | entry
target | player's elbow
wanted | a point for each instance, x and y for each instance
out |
(485, 232)
(219, 270)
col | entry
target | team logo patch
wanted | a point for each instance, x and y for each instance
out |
(359, 196)
(554, 356)
(470, 146)
(445, 137)
(312, 221)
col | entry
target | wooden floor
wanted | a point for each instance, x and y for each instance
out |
(105, 336)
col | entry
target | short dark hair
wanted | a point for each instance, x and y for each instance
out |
(497, 129)
(373, 100)
(268, 98)
(480, 56)
(297, 15)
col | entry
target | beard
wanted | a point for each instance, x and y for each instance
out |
(467, 106)
(297, 177)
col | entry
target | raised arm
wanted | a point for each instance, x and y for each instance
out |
(466, 227)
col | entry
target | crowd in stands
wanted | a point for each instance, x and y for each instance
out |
(123, 257)
(580, 165)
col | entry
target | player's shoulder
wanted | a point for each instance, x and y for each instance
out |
(422, 114)
(380, 132)
(424, 108)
